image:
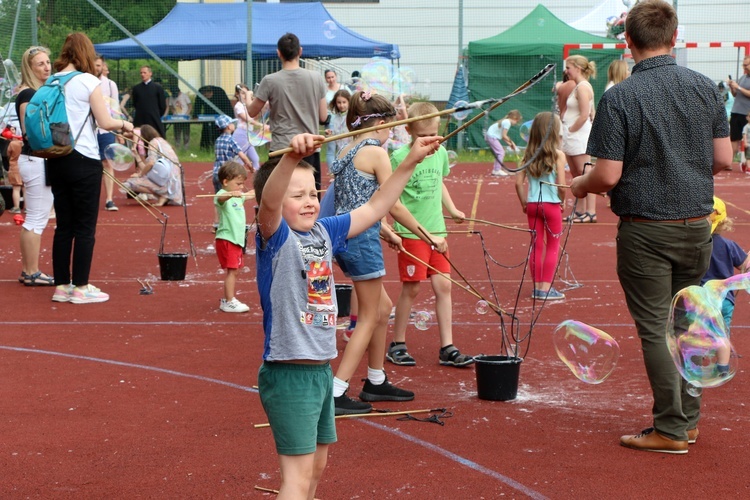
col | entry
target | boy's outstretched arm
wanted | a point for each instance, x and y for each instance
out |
(385, 197)
(274, 191)
(457, 215)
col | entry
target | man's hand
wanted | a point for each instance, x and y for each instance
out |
(577, 187)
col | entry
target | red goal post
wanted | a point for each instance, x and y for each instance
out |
(679, 45)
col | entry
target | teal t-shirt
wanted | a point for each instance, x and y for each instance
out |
(231, 219)
(423, 194)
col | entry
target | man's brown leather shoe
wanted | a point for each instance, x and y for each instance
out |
(650, 440)
(692, 435)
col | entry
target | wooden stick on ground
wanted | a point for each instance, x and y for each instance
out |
(369, 415)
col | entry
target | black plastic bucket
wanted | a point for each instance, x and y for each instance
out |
(497, 377)
(344, 299)
(173, 266)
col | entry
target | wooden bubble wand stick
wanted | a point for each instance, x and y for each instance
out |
(474, 105)
(490, 223)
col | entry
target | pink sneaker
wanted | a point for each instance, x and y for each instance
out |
(89, 295)
(63, 293)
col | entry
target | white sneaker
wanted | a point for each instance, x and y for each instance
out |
(500, 173)
(233, 306)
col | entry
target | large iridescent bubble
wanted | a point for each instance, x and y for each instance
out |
(382, 76)
(524, 130)
(697, 336)
(120, 157)
(590, 353)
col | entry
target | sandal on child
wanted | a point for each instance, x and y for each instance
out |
(38, 279)
(22, 277)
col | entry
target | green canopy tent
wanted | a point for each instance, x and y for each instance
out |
(500, 64)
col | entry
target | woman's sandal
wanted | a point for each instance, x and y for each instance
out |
(575, 217)
(38, 279)
(585, 218)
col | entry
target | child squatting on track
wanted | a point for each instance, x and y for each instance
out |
(230, 235)
(425, 196)
(543, 204)
(295, 282)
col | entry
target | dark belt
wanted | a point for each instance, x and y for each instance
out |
(669, 221)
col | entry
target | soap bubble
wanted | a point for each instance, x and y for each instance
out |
(330, 29)
(694, 389)
(540, 22)
(452, 158)
(482, 307)
(524, 131)
(422, 320)
(380, 75)
(120, 157)
(461, 115)
(590, 353)
(697, 337)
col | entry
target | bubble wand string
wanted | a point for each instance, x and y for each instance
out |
(147, 205)
(498, 102)
(468, 284)
(177, 162)
(471, 290)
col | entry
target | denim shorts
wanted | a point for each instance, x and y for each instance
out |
(363, 259)
(104, 140)
(298, 400)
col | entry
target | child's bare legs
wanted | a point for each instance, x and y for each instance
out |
(368, 317)
(376, 348)
(409, 292)
(443, 308)
(230, 282)
(300, 474)
(370, 332)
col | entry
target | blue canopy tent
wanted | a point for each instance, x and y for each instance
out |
(219, 31)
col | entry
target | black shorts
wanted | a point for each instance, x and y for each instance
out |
(736, 123)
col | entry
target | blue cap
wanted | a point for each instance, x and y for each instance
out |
(223, 121)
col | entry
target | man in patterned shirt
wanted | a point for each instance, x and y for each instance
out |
(659, 137)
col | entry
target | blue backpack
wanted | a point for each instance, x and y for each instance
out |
(46, 121)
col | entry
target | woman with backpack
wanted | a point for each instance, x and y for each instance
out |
(37, 197)
(76, 178)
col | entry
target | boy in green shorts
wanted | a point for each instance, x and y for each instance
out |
(294, 256)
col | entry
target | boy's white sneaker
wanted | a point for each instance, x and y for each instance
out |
(233, 306)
